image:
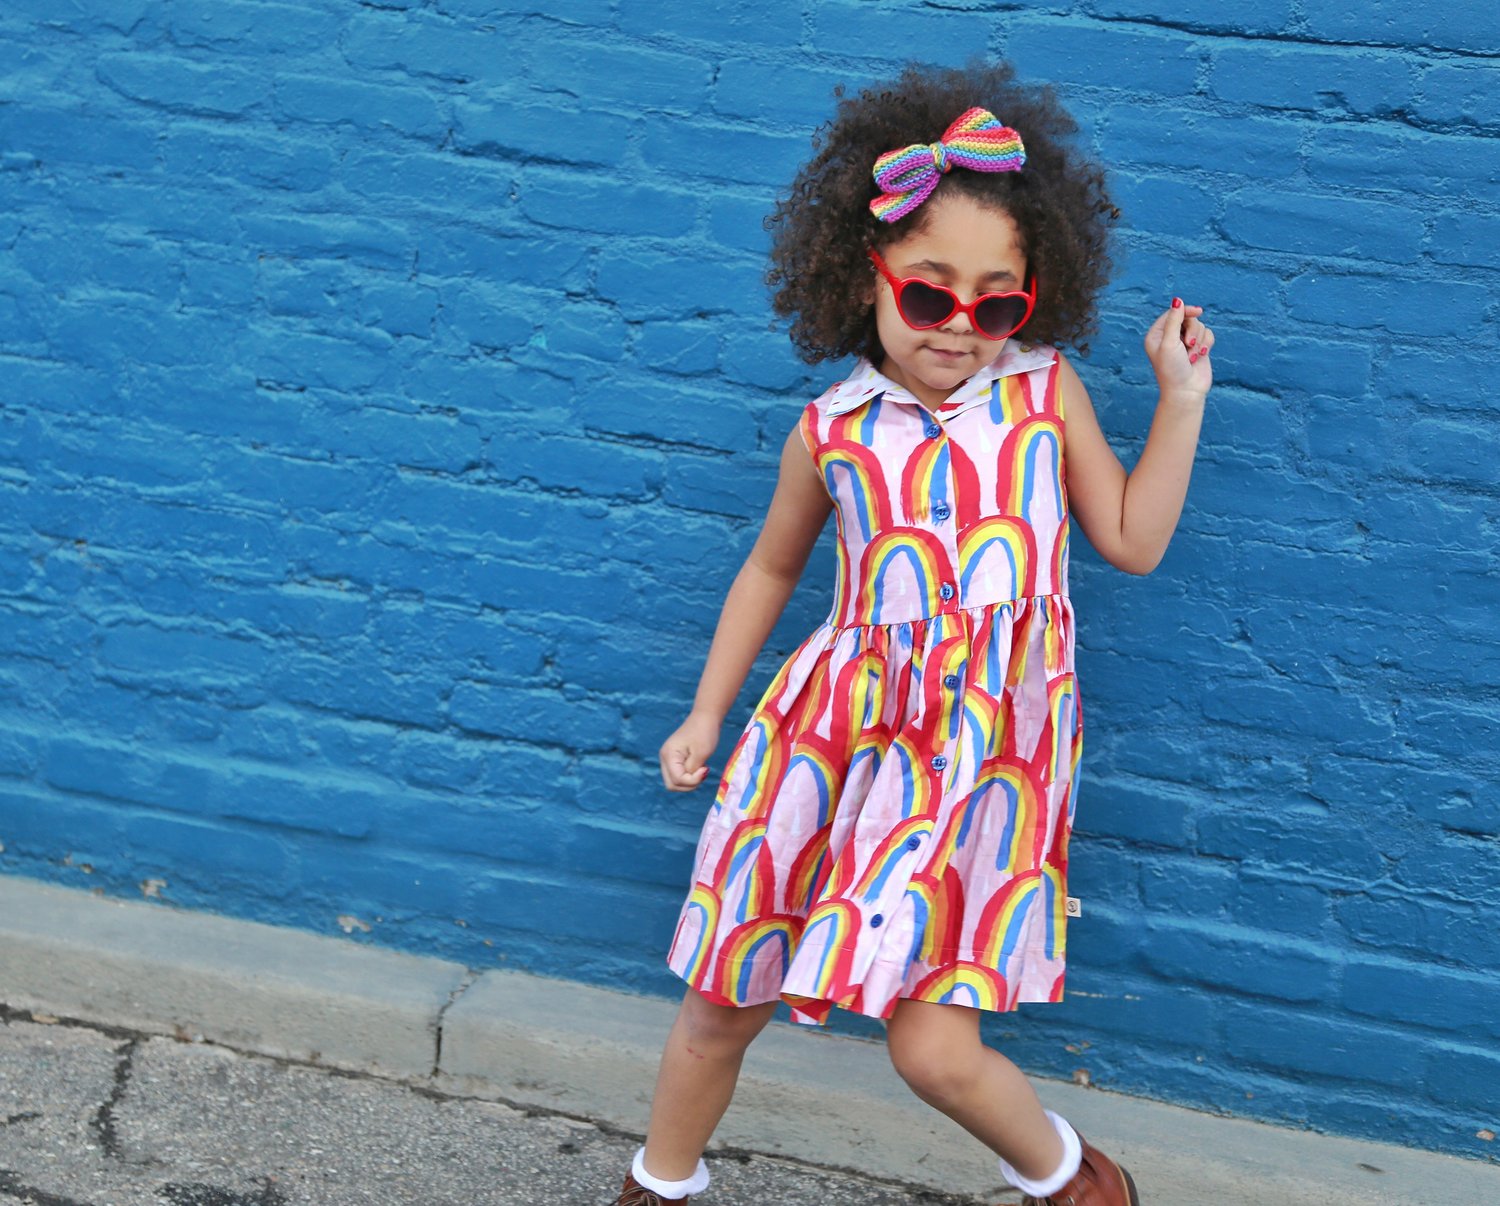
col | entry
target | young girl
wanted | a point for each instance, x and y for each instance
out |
(890, 835)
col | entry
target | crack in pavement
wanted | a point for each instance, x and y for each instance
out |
(104, 1118)
(10, 1186)
(212, 1195)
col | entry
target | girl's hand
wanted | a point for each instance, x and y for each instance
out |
(684, 755)
(1178, 345)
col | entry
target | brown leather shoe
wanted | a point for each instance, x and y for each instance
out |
(636, 1194)
(1099, 1182)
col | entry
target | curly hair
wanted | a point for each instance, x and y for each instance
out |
(823, 229)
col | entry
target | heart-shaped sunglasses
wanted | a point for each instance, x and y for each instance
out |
(923, 304)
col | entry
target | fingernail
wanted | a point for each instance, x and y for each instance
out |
(1177, 303)
(1192, 341)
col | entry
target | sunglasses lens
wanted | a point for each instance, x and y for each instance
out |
(922, 305)
(998, 317)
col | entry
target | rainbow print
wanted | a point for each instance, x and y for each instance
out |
(921, 555)
(1034, 452)
(804, 882)
(747, 947)
(700, 918)
(889, 854)
(924, 481)
(964, 983)
(997, 559)
(857, 470)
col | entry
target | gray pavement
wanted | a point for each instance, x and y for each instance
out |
(153, 1057)
(90, 1117)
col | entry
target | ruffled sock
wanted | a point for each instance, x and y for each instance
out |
(1066, 1171)
(697, 1183)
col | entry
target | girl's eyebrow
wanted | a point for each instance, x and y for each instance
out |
(940, 268)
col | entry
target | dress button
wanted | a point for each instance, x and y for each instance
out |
(932, 431)
(939, 762)
(876, 920)
(941, 511)
(913, 842)
(946, 591)
(951, 682)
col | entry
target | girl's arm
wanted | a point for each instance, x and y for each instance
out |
(799, 509)
(1130, 518)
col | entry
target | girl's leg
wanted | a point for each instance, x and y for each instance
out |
(699, 1068)
(937, 1050)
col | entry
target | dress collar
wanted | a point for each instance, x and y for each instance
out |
(866, 381)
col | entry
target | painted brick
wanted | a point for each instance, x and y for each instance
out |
(1423, 927)
(1441, 450)
(1162, 205)
(744, 155)
(1072, 51)
(1313, 79)
(1468, 25)
(1465, 1076)
(1332, 1049)
(680, 289)
(1466, 239)
(774, 23)
(1243, 961)
(618, 76)
(251, 28)
(414, 47)
(318, 99)
(604, 207)
(898, 32)
(1306, 843)
(687, 348)
(184, 87)
(782, 94)
(1263, 149)
(1442, 1000)
(530, 132)
(1277, 901)
(1272, 16)
(1459, 92)
(1402, 162)
(76, 136)
(1360, 302)
(1323, 226)
(669, 412)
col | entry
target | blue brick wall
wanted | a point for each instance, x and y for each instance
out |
(389, 396)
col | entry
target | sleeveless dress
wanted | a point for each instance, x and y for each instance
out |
(894, 820)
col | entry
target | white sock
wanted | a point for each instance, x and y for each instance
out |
(1066, 1171)
(697, 1183)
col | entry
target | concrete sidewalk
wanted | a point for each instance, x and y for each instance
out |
(299, 1068)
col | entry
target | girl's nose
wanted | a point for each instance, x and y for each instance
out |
(958, 322)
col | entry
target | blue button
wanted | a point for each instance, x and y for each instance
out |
(941, 511)
(951, 682)
(946, 590)
(877, 919)
(913, 842)
(939, 762)
(932, 431)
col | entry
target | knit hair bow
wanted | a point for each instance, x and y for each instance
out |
(976, 141)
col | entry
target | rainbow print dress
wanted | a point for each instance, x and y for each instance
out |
(894, 820)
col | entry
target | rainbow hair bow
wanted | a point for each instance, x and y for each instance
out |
(976, 140)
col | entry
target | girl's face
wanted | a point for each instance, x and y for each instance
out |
(970, 248)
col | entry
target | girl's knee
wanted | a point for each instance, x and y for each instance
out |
(939, 1061)
(721, 1028)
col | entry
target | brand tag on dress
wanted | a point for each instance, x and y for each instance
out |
(1075, 907)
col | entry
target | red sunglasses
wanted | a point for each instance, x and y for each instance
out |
(922, 304)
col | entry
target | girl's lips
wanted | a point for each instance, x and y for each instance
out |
(947, 355)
